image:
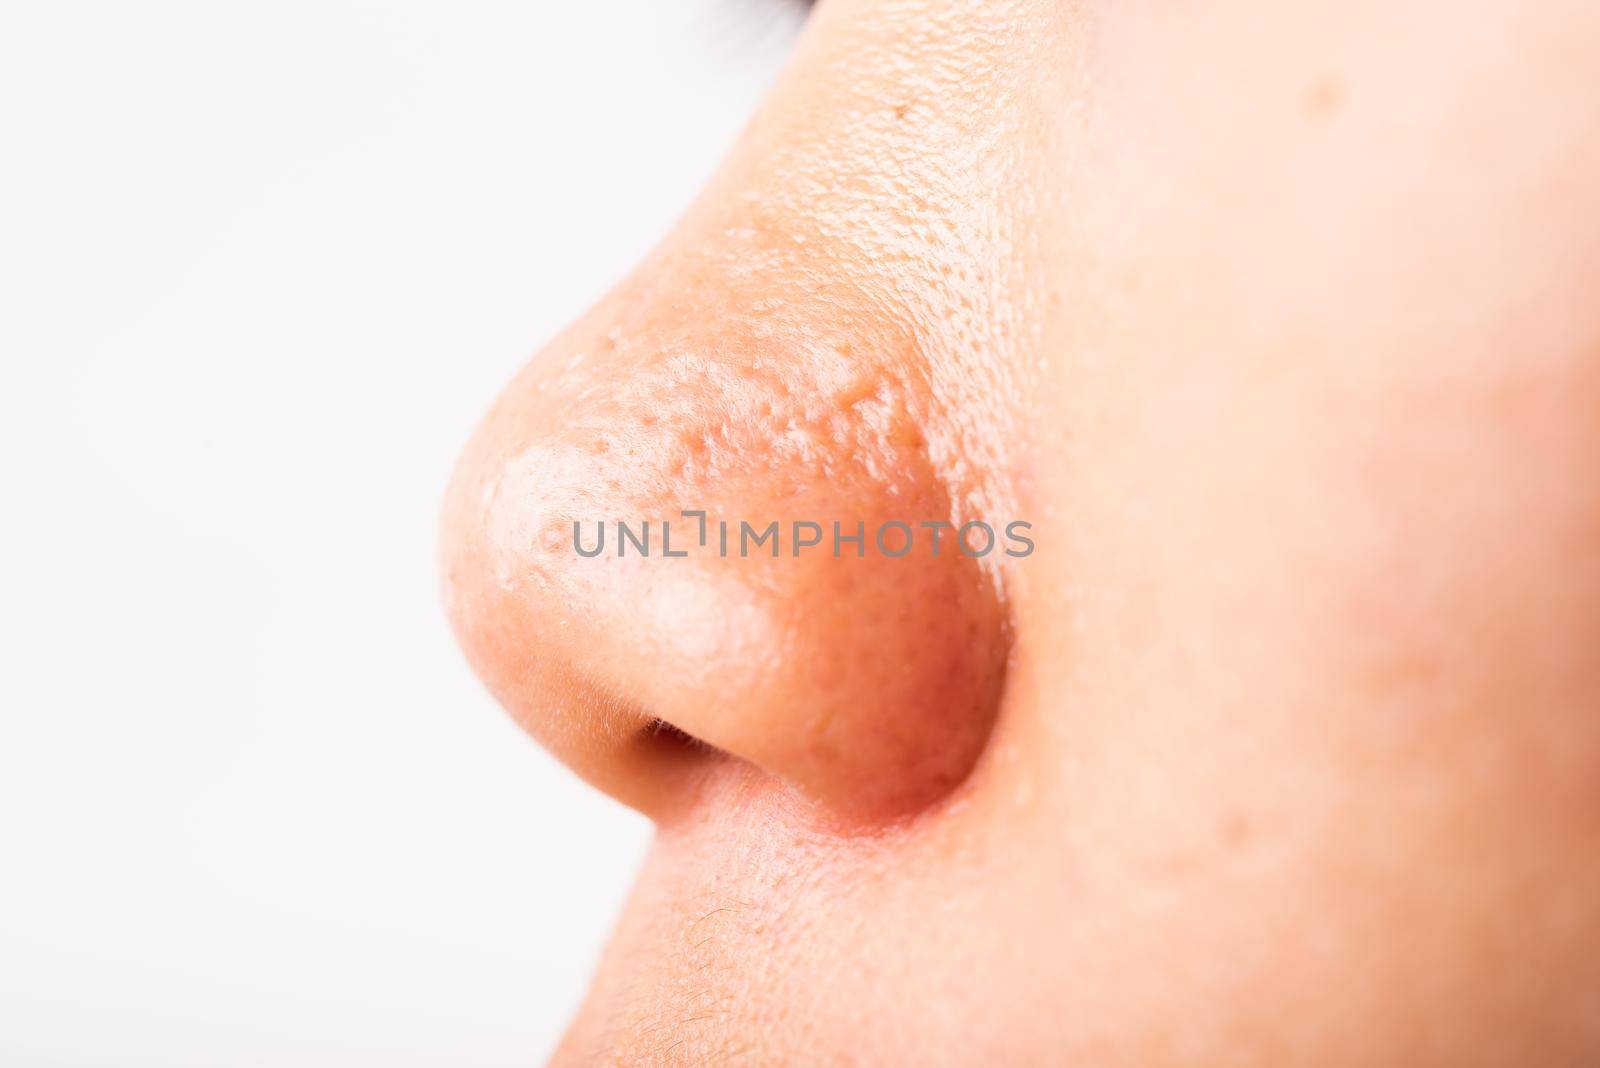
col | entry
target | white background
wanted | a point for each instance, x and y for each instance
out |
(262, 265)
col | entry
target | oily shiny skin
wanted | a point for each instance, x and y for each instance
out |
(1277, 323)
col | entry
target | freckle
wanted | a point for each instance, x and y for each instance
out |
(901, 110)
(1323, 98)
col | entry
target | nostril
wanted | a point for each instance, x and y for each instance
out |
(666, 735)
(677, 764)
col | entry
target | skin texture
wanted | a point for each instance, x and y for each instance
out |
(1277, 322)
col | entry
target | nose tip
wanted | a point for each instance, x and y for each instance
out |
(864, 678)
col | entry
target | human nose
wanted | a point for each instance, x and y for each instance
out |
(795, 353)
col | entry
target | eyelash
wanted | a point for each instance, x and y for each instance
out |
(740, 27)
(770, 8)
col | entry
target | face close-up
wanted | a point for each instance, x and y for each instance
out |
(1180, 644)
